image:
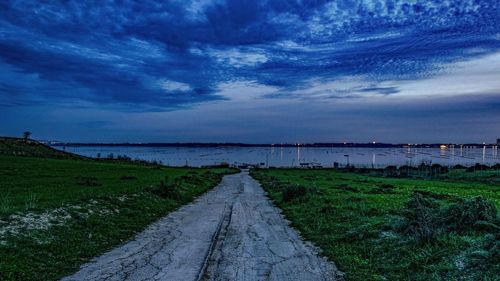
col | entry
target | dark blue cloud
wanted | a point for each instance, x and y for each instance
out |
(380, 90)
(131, 55)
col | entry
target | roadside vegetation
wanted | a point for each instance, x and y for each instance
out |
(59, 210)
(475, 173)
(399, 227)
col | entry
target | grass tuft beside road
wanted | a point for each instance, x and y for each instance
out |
(56, 214)
(382, 228)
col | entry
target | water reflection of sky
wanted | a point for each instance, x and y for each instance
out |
(294, 156)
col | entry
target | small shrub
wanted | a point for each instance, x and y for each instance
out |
(477, 167)
(5, 203)
(211, 176)
(383, 189)
(361, 233)
(421, 218)
(292, 192)
(128, 178)
(123, 158)
(379, 190)
(438, 196)
(350, 168)
(327, 209)
(87, 181)
(484, 256)
(470, 214)
(363, 170)
(425, 219)
(437, 169)
(346, 188)
(167, 189)
(31, 201)
(391, 171)
(407, 170)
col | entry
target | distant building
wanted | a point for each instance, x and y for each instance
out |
(498, 141)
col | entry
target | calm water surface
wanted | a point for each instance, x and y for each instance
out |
(294, 156)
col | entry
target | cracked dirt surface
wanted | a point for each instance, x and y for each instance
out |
(232, 232)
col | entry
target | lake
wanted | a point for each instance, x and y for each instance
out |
(294, 156)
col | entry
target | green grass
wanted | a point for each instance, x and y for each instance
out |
(356, 220)
(56, 214)
(490, 177)
(54, 182)
(22, 147)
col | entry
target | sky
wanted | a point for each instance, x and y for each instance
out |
(256, 71)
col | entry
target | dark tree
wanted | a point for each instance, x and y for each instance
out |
(26, 135)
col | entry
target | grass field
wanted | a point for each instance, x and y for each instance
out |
(56, 214)
(381, 228)
(22, 147)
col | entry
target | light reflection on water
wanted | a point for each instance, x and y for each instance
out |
(294, 156)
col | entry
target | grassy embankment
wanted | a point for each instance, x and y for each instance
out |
(383, 228)
(56, 214)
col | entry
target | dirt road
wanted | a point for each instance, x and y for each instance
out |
(233, 232)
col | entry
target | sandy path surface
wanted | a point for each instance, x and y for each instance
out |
(232, 232)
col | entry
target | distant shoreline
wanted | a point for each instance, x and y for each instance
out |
(312, 145)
